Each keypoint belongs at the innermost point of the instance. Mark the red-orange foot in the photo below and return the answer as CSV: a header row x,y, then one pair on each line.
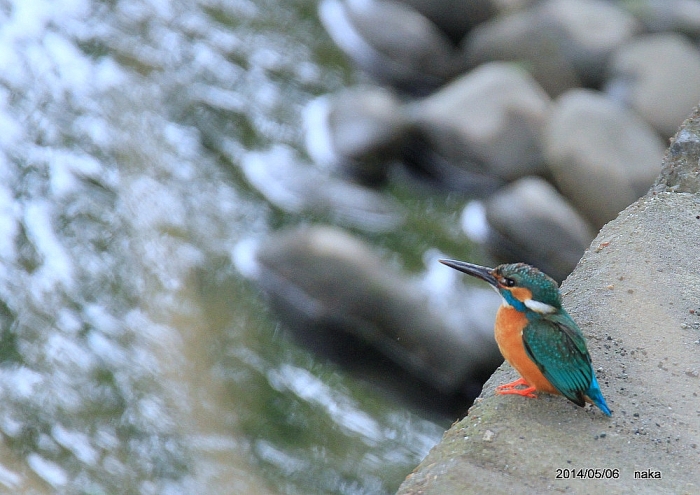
x,y
512,388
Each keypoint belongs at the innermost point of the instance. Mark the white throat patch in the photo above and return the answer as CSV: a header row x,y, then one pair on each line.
x,y
539,307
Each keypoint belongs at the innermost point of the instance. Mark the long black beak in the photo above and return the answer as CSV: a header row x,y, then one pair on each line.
x,y
482,272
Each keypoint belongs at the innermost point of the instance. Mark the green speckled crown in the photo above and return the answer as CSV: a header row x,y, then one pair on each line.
x,y
543,287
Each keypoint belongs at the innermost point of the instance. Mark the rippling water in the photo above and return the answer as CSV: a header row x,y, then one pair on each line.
x,y
134,359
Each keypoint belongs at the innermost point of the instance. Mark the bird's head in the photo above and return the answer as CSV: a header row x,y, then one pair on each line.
x,y
522,286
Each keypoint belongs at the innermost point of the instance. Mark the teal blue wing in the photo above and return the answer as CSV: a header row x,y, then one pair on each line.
x,y
558,348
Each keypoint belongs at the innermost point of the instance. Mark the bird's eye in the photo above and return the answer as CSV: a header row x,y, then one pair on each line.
x,y
508,282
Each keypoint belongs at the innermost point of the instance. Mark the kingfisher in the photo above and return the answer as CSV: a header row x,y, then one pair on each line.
x,y
537,336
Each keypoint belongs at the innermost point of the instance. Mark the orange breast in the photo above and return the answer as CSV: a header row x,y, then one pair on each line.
x,y
509,337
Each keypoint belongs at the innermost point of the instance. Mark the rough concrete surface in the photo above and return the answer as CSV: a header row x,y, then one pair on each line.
x,y
636,296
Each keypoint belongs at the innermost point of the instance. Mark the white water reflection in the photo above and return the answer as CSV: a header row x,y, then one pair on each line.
x,y
336,404
296,187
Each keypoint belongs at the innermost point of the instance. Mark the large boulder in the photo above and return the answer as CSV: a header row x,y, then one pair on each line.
x,y
489,120
392,42
357,131
341,298
527,211
640,75
563,43
602,155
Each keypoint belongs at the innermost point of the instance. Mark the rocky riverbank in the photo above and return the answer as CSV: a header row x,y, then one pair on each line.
x,y
636,295
579,93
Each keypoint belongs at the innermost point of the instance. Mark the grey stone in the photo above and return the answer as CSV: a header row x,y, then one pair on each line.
x,y
634,294
658,75
521,37
358,130
454,17
489,120
602,155
531,222
322,277
563,43
588,32
392,42
681,16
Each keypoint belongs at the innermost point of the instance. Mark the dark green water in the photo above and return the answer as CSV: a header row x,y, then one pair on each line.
x,y
134,358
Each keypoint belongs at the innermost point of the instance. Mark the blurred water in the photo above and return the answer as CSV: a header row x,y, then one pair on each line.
x,y
134,359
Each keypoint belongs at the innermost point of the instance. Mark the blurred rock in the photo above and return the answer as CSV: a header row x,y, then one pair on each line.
x,y
530,221
427,167
392,42
587,32
327,286
297,187
682,16
358,131
602,155
488,121
454,17
521,37
658,75
563,43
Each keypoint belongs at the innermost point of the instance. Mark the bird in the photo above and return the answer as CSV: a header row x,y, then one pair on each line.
x,y
537,336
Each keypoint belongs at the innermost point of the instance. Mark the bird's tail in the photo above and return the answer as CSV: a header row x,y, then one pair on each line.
x,y
596,396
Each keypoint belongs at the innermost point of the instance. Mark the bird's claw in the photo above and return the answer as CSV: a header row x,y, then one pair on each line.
x,y
512,389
